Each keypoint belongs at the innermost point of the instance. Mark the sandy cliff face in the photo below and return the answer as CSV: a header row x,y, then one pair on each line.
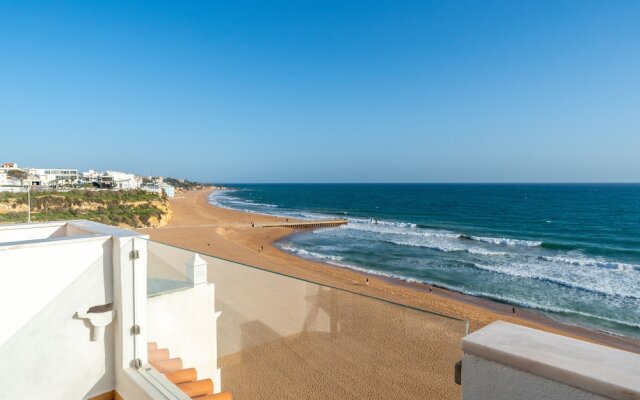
x,y
11,207
165,206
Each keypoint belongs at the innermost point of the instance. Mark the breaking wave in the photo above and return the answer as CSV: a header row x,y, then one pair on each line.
x,y
591,262
307,254
602,285
507,241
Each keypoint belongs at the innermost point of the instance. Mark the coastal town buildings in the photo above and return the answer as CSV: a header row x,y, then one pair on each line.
x,y
89,177
118,180
169,190
63,178
53,178
7,183
43,177
160,188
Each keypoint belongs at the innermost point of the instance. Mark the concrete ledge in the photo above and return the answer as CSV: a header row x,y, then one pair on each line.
x,y
593,368
60,240
96,227
23,225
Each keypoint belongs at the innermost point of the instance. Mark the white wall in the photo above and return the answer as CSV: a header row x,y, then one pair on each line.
x,y
45,351
20,232
184,322
487,380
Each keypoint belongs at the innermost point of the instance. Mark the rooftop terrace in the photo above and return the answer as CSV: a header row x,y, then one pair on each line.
x,y
91,311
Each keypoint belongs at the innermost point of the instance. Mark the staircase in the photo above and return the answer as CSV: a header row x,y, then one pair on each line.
x,y
186,379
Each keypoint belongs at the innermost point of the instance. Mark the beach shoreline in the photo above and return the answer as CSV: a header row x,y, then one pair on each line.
x,y
225,233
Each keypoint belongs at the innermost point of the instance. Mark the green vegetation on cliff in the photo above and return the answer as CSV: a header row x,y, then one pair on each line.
x,y
132,208
184,184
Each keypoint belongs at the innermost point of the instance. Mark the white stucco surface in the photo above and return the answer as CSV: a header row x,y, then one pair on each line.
x,y
45,351
22,232
487,380
600,370
184,322
50,271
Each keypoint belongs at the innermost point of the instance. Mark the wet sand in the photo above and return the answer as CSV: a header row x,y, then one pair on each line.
x,y
228,234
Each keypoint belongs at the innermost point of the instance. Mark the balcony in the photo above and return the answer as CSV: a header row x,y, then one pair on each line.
x,y
95,312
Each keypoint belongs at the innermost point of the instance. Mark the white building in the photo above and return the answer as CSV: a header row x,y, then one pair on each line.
x,y
118,180
5,180
151,189
169,190
7,183
89,177
53,178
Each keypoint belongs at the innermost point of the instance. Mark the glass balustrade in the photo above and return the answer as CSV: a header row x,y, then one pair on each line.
x,y
219,326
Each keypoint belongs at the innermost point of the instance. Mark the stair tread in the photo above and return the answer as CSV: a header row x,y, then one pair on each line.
x,y
217,396
170,365
158,354
182,375
197,388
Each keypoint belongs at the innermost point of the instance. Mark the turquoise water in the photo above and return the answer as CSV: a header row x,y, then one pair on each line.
x,y
569,251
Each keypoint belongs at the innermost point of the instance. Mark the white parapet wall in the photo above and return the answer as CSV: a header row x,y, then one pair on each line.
x,y
184,322
43,283
51,274
505,361
182,317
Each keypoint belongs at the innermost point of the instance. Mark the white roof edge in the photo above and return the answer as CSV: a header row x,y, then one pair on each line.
x,y
82,224
57,240
31,225
96,227
591,367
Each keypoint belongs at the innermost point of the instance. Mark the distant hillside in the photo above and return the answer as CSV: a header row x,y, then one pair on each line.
x,y
126,208
185,185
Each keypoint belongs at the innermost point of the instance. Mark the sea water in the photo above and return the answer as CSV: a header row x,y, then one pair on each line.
x,y
570,251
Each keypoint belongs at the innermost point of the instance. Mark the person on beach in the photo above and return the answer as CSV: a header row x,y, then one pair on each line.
x,y
513,310
367,283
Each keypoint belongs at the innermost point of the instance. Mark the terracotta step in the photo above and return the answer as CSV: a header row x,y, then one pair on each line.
x,y
197,388
152,346
219,396
182,376
170,365
157,355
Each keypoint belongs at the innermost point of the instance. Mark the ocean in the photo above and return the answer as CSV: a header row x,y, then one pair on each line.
x,y
569,251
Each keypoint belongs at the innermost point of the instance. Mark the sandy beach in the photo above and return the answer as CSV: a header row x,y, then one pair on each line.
x,y
229,234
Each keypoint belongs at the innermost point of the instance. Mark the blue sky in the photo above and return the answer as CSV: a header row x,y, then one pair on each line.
x,y
306,91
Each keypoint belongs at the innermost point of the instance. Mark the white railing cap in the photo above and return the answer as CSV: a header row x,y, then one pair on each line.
x,y
591,367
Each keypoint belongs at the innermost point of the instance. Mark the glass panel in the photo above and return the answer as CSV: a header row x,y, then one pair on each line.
x,y
167,268
259,335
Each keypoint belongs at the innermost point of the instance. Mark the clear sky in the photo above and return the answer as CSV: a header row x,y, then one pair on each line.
x,y
344,91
